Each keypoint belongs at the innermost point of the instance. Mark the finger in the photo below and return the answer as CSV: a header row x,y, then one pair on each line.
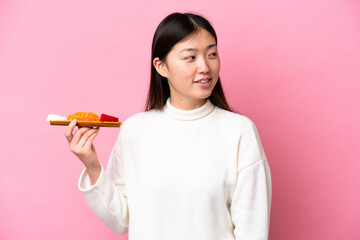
x,y
69,130
85,137
88,143
78,135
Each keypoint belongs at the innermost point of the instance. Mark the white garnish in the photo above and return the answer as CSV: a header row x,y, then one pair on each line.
x,y
52,117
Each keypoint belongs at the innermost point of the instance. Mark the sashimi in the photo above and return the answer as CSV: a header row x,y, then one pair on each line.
x,y
108,118
83,116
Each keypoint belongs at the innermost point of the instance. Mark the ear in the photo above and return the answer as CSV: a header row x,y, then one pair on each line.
x,y
160,67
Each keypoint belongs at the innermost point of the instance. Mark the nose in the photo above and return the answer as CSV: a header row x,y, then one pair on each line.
x,y
203,66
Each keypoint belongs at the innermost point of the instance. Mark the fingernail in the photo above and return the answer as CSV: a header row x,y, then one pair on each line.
x,y
73,122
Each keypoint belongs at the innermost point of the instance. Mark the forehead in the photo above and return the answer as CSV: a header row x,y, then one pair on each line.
x,y
200,39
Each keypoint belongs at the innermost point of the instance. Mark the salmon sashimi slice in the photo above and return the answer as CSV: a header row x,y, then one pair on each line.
x,y
83,116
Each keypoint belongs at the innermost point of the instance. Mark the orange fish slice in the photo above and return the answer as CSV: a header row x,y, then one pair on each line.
x,y
84,116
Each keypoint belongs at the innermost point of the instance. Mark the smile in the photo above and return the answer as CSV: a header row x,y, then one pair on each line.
x,y
204,83
205,80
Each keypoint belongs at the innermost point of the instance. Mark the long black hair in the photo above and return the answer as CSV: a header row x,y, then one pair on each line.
x,y
171,30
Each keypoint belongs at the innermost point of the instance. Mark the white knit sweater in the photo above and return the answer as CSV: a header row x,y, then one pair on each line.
x,y
174,174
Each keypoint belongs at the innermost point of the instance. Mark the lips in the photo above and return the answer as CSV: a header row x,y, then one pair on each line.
x,y
204,80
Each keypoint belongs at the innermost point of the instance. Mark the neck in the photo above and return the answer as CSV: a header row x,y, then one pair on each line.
x,y
186,104
188,115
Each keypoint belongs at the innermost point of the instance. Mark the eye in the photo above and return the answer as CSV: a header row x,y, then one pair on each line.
x,y
213,55
190,58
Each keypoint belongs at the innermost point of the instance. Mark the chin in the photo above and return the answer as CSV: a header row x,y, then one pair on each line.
x,y
204,95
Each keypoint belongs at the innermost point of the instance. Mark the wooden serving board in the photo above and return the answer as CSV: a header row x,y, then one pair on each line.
x,y
86,123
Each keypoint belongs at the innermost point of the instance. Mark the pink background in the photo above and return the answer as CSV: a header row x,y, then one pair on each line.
x,y
291,66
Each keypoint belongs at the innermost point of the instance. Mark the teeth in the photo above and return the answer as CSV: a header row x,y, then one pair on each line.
x,y
204,81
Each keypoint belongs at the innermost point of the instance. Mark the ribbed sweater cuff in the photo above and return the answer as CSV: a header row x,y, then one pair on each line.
x,y
84,183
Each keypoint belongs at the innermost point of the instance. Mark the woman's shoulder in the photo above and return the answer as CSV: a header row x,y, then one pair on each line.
x,y
234,118
137,123
245,127
141,118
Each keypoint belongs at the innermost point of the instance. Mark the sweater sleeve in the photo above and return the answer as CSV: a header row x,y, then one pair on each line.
x,y
251,200
107,198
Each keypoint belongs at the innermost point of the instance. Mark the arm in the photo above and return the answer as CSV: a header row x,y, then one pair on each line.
x,y
107,197
250,205
251,200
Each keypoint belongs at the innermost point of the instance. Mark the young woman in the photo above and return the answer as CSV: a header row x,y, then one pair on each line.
x,y
188,167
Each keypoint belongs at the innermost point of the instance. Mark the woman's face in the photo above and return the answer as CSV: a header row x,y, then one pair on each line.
x,y
192,68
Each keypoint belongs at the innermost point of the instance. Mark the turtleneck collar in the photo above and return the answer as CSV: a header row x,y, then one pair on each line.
x,y
188,115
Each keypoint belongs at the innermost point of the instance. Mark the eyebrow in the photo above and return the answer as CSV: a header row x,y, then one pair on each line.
x,y
195,49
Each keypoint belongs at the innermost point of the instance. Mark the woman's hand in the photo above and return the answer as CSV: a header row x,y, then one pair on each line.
x,y
81,144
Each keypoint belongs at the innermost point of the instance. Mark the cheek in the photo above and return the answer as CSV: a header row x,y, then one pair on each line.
x,y
216,66
183,71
